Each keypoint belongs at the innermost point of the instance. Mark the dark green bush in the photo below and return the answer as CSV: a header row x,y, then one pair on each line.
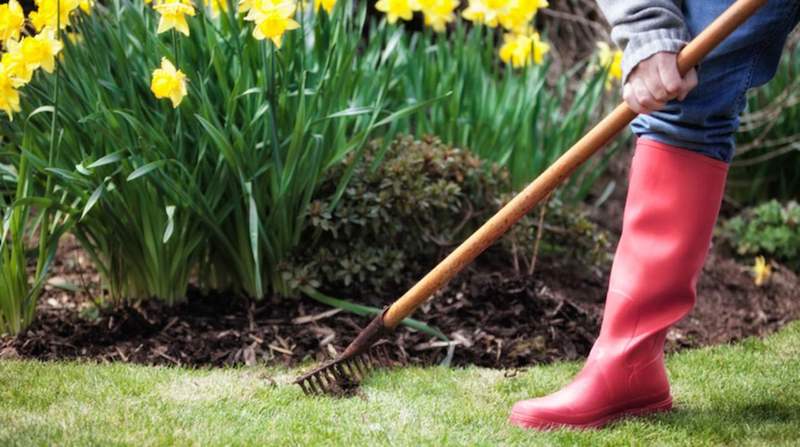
x,y
403,206
771,229
409,204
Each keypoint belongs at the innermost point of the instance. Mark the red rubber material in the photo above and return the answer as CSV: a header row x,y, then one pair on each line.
x,y
672,206
527,420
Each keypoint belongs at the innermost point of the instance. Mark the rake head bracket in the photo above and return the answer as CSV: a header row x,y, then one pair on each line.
x,y
365,353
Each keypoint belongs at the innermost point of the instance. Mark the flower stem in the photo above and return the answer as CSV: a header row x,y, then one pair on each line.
x,y
44,232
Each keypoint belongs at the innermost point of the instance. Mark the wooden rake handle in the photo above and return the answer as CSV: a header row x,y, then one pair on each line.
x,y
592,142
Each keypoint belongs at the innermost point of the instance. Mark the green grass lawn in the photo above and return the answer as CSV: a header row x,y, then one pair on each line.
x,y
747,394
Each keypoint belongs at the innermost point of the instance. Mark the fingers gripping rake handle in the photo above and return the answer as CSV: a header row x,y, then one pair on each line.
x,y
592,142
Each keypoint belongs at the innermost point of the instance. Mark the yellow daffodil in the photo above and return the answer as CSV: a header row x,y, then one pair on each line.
x,y
53,13
74,37
327,5
12,19
610,60
272,26
761,271
17,70
396,9
272,18
173,15
519,14
486,12
438,13
257,8
168,82
245,5
41,50
522,49
217,6
86,6
9,96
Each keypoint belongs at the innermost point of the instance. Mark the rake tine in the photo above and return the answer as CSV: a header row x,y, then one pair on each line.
x,y
354,371
353,365
322,380
326,381
342,373
367,361
331,375
319,385
362,367
308,384
304,387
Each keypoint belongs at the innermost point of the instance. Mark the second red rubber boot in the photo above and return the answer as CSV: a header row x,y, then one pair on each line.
x,y
672,205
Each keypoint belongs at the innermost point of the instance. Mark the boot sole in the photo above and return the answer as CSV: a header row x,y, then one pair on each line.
x,y
535,423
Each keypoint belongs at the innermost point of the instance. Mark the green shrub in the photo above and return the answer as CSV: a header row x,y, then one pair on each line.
x,y
769,229
568,233
409,204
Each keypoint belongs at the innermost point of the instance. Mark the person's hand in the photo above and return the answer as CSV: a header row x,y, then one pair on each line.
x,y
655,81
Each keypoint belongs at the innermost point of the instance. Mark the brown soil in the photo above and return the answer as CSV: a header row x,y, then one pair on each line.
x,y
493,319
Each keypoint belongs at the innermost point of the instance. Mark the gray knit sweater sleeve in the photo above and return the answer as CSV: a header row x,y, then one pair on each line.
x,y
643,28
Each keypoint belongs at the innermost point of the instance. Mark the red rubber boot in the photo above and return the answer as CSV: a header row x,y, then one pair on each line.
x,y
673,201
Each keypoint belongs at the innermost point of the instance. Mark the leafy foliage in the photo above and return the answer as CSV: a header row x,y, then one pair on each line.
x,y
520,119
407,203
217,186
770,229
410,203
220,185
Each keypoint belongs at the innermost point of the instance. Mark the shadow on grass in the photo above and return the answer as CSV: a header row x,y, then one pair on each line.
x,y
756,421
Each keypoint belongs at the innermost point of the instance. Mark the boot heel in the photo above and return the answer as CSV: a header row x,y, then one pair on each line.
x,y
658,407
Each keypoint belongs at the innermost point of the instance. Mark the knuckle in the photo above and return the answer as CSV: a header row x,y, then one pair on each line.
x,y
652,104
673,86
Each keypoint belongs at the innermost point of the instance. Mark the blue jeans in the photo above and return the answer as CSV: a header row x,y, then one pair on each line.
x,y
708,118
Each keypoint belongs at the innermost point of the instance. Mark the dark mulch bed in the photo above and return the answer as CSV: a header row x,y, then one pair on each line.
x,y
494,316
495,320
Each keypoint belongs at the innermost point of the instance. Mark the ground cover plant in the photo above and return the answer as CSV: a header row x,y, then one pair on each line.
x,y
771,229
746,394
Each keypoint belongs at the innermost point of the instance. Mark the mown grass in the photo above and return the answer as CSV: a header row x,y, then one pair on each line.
x,y
745,394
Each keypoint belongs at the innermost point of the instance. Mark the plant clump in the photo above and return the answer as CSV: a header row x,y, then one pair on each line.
x,y
409,204
771,229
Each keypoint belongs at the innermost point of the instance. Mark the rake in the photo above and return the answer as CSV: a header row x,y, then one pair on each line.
x,y
368,350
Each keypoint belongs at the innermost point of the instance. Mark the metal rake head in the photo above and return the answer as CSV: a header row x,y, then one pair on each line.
x,y
343,374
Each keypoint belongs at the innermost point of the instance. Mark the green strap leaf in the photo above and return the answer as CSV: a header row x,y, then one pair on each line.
x,y
98,192
253,224
359,309
146,169
170,223
107,160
